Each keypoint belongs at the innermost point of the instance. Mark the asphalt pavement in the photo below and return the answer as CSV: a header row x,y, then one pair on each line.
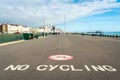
x,y
61,57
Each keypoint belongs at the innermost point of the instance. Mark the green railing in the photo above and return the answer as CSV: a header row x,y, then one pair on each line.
x,y
10,37
14,37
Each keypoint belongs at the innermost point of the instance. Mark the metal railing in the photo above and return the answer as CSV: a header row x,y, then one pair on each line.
x,y
10,37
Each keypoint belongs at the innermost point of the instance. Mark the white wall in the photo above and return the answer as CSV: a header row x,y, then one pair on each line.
x,y
12,28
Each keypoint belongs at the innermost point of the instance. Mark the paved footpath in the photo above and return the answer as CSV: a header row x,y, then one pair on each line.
x,y
62,57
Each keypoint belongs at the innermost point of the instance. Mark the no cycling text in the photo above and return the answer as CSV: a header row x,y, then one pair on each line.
x,y
65,67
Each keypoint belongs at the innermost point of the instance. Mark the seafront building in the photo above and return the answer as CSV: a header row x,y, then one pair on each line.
x,y
34,30
45,29
48,29
15,28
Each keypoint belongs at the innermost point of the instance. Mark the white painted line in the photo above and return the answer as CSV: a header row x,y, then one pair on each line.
x,y
13,42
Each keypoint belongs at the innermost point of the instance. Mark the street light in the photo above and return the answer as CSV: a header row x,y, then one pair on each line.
x,y
44,26
65,22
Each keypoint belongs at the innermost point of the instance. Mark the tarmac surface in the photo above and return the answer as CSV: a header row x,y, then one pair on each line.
x,y
93,58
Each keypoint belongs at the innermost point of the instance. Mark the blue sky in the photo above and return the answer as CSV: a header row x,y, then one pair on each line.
x,y
81,15
109,21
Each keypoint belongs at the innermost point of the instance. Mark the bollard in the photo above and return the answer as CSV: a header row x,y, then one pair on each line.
x,y
116,36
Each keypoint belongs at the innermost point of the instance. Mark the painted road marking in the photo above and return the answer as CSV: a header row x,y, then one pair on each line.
x,y
3,44
18,67
60,57
65,67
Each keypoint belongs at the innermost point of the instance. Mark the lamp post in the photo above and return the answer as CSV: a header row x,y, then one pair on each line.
x,y
44,26
65,22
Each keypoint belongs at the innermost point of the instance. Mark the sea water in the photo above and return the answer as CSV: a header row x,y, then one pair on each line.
x,y
111,33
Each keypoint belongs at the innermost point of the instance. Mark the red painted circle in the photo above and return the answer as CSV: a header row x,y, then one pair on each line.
x,y
60,57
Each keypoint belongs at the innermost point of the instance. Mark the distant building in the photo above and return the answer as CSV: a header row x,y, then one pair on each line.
x,y
26,29
34,30
3,28
49,29
13,28
45,29
8,28
58,30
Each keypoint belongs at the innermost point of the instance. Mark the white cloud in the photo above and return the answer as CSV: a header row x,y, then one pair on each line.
x,y
31,12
